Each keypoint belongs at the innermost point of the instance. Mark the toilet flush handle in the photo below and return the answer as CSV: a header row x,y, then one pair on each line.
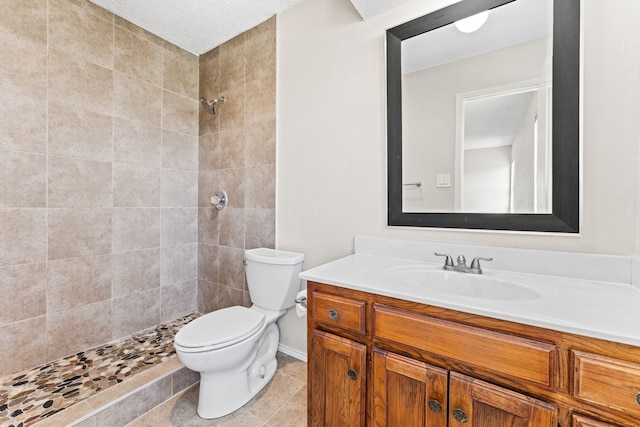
x,y
245,262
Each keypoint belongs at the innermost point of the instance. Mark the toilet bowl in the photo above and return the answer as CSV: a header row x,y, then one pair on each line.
x,y
234,348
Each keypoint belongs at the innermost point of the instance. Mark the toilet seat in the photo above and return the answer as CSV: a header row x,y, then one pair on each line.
x,y
220,328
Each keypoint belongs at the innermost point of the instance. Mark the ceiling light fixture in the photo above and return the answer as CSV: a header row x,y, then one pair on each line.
x,y
472,23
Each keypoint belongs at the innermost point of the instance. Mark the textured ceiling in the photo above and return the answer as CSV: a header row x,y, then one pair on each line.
x,y
201,25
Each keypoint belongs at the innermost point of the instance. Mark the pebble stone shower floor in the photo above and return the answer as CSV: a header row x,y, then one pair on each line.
x,y
30,396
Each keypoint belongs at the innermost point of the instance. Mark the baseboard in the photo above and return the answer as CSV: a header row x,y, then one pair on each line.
x,y
293,352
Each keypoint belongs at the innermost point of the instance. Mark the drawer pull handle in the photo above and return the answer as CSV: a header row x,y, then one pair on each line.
x,y
435,406
460,416
333,314
638,398
352,374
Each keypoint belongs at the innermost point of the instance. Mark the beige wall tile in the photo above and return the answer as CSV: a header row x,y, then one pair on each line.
x,y
179,226
22,345
261,187
78,232
179,188
135,229
208,264
260,100
22,236
78,281
177,300
187,56
232,148
208,226
209,152
135,271
233,181
137,100
208,185
80,133
137,57
260,228
260,143
179,151
80,33
80,84
23,123
135,312
82,327
232,63
261,51
210,73
231,228
79,183
24,290
228,296
137,143
180,114
123,23
231,267
22,179
207,296
179,264
233,110
136,186
180,75
27,18
93,8
23,88
23,64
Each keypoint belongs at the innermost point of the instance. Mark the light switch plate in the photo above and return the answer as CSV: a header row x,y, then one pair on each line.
x,y
443,180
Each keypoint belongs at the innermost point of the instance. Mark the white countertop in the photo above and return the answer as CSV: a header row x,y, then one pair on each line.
x,y
599,309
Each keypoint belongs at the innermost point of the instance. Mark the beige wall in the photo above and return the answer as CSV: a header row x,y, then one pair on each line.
x,y
237,154
332,142
98,170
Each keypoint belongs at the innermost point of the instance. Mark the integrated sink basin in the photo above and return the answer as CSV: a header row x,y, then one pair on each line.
x,y
418,279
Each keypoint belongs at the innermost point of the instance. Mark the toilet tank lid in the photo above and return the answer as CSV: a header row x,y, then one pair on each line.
x,y
273,256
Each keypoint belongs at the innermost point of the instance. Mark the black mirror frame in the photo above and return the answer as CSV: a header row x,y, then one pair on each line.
x,y
565,216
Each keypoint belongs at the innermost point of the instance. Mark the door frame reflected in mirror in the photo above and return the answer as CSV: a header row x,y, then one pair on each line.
x,y
565,215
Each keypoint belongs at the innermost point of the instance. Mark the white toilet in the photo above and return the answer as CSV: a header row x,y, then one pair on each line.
x,y
234,348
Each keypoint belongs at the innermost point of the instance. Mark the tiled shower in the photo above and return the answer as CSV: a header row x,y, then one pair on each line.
x,y
107,162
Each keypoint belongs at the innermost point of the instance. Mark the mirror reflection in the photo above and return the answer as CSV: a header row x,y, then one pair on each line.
x,y
476,114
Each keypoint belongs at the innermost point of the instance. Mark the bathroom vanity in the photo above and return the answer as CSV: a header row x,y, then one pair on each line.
x,y
386,351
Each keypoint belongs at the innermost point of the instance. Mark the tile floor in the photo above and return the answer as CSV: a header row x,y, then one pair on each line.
x,y
41,392
282,403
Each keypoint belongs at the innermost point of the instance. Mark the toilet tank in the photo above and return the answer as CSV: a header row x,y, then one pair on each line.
x,y
272,277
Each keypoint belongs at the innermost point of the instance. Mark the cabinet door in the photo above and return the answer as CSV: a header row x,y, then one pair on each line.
x,y
338,378
480,404
581,421
406,392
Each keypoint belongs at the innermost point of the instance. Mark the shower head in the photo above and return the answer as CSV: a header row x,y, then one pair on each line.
x,y
210,105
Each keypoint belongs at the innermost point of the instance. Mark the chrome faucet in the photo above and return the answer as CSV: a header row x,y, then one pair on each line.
x,y
461,265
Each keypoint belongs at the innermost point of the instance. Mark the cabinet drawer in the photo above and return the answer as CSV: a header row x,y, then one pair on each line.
x,y
607,382
496,352
346,313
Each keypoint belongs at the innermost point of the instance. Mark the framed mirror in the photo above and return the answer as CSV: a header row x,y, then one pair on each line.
x,y
484,126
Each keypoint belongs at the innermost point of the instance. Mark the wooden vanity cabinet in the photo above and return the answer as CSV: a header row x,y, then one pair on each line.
x,y
380,361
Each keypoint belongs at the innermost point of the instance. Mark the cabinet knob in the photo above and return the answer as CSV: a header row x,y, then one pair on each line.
x,y
638,398
460,416
352,374
333,314
435,406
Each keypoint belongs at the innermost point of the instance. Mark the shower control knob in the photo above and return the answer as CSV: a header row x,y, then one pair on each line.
x,y
219,200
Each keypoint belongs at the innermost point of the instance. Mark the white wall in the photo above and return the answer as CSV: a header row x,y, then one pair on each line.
x,y
331,148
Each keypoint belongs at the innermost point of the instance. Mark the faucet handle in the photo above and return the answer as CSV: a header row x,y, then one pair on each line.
x,y
448,262
475,264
